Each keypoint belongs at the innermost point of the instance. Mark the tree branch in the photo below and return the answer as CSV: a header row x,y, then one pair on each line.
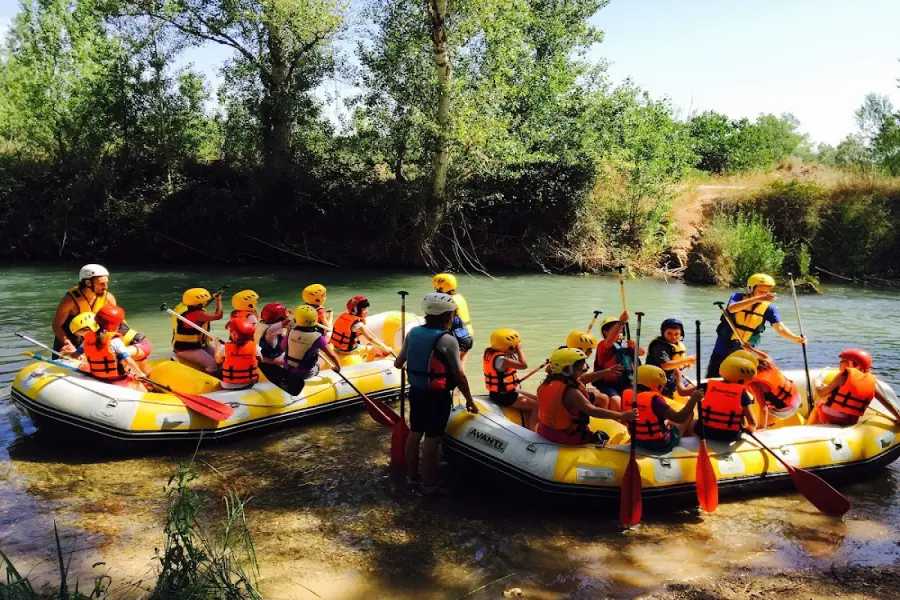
x,y
217,37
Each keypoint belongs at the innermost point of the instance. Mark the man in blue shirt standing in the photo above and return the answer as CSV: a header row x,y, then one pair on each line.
x,y
749,314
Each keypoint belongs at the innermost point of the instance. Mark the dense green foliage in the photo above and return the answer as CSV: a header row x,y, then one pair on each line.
x,y
735,247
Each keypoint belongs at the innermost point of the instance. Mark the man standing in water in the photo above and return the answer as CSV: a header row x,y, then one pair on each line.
x,y
91,293
431,355
749,314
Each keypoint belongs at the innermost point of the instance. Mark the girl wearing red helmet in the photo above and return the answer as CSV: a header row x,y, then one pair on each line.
x,y
850,392
105,353
239,357
350,329
275,322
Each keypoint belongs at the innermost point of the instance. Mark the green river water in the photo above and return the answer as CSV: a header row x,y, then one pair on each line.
x,y
325,516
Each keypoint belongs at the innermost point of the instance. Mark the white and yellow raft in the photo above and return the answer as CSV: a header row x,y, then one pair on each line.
x,y
57,398
495,442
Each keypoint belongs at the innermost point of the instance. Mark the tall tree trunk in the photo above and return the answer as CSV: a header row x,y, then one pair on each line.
x,y
276,113
437,202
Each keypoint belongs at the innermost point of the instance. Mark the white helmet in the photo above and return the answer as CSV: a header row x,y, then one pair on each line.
x,y
90,271
438,304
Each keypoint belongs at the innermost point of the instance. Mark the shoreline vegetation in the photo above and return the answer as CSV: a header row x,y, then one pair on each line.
x,y
474,136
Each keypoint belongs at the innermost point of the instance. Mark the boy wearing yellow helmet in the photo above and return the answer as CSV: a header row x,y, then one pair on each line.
x,y
303,344
564,410
725,411
462,330
500,362
315,295
749,314
658,427
614,357
192,347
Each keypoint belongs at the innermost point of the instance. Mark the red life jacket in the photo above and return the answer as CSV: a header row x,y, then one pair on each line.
x,y
343,338
498,381
101,361
552,411
779,392
853,397
239,367
722,408
648,426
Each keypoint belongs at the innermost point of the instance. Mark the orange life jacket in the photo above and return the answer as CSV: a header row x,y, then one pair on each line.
x,y
722,407
239,366
648,426
101,361
343,338
779,392
854,395
501,382
552,412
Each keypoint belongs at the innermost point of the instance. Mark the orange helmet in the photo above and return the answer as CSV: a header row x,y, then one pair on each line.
x,y
862,358
110,317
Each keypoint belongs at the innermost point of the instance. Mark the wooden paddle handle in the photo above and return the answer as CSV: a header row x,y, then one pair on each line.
x,y
534,370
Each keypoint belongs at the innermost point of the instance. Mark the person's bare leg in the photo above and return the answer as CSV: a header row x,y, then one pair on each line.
x,y
412,454
430,461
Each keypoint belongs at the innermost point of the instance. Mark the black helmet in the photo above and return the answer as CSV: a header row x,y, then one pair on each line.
x,y
671,324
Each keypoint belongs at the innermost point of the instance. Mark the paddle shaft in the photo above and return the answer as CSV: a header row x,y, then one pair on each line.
x,y
390,417
534,370
597,313
403,295
634,381
700,400
809,393
191,324
772,452
37,343
621,269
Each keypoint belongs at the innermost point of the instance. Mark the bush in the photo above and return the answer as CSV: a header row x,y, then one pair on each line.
x,y
732,248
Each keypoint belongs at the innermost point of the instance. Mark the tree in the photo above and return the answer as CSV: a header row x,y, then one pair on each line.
x,y
852,151
875,111
283,50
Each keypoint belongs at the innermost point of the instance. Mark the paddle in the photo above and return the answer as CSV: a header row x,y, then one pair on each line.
x,y
200,404
815,489
597,313
621,269
809,392
744,344
534,370
631,500
378,410
400,432
190,324
707,485
37,343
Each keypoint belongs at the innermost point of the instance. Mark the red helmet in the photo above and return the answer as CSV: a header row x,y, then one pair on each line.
x,y
356,304
110,317
862,358
273,312
241,329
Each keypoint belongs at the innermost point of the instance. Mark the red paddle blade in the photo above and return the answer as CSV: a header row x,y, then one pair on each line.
x,y
205,406
707,486
398,444
820,493
631,503
380,412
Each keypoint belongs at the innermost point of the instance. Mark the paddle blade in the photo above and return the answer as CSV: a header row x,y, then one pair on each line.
x,y
707,485
399,436
205,406
380,412
631,502
824,497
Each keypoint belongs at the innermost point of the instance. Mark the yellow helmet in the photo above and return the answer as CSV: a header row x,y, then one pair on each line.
x,y
651,376
505,340
245,300
82,320
443,282
562,360
737,370
581,340
305,316
196,297
314,294
747,355
760,279
607,322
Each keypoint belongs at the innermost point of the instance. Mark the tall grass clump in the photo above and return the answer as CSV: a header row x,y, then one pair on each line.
x,y
734,247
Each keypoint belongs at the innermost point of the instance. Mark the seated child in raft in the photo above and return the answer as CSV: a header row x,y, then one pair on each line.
x,y
587,343
850,392
274,322
613,350
500,362
350,329
239,357
658,426
775,395
726,408
245,303
668,353
103,352
302,347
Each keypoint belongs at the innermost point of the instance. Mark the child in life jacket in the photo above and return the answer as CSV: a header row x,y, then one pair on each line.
x,y
668,353
564,411
587,343
850,391
303,345
776,396
350,329
658,426
614,350
245,303
315,295
274,322
238,357
103,351
725,410
500,362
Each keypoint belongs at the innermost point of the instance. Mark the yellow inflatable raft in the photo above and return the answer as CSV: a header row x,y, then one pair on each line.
x,y
496,443
54,397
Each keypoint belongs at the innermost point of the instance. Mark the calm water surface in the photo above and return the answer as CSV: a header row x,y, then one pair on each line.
x,y
327,520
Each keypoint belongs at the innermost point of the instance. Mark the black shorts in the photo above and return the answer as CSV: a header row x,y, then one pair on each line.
x,y
429,411
504,398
